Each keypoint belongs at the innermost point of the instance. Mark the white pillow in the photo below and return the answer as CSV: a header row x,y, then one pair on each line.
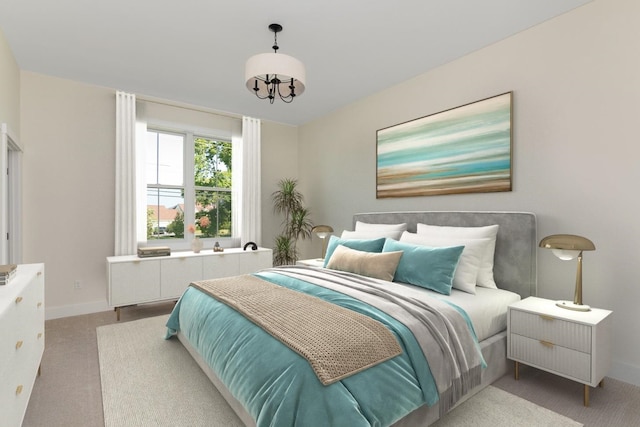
x,y
365,226
371,234
466,274
485,275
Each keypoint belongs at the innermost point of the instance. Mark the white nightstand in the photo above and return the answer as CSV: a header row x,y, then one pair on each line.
x,y
572,344
315,262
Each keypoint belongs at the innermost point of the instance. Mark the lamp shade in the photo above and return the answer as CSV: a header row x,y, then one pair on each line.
x,y
284,66
567,246
322,231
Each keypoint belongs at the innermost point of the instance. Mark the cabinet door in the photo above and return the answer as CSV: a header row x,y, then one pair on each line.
x,y
252,261
134,282
176,274
224,264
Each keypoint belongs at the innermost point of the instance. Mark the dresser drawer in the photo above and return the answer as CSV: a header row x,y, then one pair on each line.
x,y
560,332
21,340
15,390
21,316
555,358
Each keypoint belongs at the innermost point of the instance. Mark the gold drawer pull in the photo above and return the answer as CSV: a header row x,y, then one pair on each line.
x,y
18,390
545,317
18,300
39,304
39,335
19,344
39,273
547,344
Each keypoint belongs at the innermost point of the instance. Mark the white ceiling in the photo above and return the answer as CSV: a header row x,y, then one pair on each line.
x,y
194,51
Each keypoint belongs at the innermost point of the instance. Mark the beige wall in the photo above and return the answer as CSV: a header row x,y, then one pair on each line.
x,y
576,84
9,88
279,154
68,193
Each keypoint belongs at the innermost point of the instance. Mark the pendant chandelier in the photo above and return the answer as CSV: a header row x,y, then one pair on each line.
x,y
274,75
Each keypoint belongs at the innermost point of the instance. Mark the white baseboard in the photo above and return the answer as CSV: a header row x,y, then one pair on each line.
x,y
75,309
625,372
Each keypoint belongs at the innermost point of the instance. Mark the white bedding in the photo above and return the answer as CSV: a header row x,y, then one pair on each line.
x,y
487,309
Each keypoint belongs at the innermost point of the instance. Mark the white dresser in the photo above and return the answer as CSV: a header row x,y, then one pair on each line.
x,y
21,340
134,280
572,344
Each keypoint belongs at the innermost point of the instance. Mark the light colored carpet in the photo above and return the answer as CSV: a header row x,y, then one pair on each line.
x,y
493,407
149,381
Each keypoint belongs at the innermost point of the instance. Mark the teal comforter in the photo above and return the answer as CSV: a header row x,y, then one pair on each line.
x,y
278,387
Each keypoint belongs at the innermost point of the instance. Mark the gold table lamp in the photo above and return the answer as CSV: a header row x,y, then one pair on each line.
x,y
322,231
568,247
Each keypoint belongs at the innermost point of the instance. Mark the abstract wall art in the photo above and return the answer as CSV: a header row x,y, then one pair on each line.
x,y
466,149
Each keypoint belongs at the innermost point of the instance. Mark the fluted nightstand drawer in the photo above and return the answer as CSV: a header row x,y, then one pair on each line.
x,y
560,332
554,358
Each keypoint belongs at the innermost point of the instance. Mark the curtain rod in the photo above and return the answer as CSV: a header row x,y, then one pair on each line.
x,y
186,106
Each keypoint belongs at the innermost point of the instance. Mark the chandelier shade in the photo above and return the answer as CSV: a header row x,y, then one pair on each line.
x,y
275,75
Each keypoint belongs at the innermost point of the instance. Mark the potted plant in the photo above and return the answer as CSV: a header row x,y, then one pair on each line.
x,y
287,200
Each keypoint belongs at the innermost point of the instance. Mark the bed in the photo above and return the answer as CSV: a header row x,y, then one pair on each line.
x,y
281,381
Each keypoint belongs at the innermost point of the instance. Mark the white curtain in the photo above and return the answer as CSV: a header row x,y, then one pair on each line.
x,y
126,187
247,155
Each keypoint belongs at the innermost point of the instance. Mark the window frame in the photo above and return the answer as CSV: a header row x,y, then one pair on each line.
x,y
190,186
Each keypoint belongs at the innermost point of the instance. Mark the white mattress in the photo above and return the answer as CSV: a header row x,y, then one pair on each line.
x,y
487,309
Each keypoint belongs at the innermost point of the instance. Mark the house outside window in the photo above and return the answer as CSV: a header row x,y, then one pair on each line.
x,y
188,180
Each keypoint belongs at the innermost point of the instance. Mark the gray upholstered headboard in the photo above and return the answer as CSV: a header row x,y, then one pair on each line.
x,y
515,257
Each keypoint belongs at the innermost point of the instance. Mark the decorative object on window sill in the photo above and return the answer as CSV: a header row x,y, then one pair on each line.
x,y
323,231
217,248
154,251
265,73
568,247
196,245
253,246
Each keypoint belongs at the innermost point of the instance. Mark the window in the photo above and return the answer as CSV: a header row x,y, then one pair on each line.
x,y
188,180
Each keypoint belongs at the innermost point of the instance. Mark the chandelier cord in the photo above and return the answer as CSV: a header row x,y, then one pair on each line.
x,y
275,42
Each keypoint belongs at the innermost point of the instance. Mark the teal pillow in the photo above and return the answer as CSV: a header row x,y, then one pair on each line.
x,y
431,268
365,245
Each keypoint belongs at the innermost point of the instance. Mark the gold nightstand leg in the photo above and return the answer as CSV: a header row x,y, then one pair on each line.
x,y
516,371
586,395
601,383
117,309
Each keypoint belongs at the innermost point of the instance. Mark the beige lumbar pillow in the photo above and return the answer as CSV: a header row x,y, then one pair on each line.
x,y
377,265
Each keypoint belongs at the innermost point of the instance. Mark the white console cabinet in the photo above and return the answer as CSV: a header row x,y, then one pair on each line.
x,y
21,340
134,280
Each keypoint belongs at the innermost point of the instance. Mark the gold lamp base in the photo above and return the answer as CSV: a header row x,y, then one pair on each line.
x,y
573,306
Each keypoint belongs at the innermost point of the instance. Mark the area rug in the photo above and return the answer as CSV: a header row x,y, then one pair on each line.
x,y
149,381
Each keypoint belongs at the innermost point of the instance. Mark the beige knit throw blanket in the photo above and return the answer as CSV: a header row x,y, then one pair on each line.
x,y
336,341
